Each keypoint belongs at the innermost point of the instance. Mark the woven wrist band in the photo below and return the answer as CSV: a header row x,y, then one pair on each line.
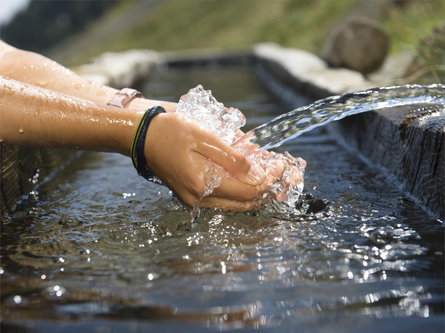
x,y
137,148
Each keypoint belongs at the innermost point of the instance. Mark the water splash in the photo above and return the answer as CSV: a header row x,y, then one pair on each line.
x,y
200,105
294,123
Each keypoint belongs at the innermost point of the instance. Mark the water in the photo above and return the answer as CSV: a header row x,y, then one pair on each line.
x,y
200,105
303,119
100,249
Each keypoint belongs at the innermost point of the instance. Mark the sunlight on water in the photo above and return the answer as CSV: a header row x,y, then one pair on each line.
x,y
301,120
101,247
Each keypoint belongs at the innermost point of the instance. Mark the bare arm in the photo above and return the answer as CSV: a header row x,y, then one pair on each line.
x,y
40,71
34,116
180,155
43,103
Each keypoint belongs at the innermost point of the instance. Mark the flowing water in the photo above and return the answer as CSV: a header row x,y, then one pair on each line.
x,y
100,249
303,119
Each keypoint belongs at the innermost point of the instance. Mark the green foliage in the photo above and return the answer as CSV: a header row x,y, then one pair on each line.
x,y
407,25
221,24
179,24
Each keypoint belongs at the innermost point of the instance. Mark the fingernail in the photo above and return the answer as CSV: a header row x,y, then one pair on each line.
x,y
256,174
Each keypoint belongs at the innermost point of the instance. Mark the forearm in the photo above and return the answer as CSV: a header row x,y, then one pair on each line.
x,y
40,71
35,116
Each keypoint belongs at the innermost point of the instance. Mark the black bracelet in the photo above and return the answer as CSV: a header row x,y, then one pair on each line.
x,y
137,148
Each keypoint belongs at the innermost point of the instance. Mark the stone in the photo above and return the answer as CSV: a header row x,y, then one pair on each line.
x,y
304,73
393,69
120,70
359,44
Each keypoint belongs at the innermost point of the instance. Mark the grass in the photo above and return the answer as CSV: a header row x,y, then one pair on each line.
x,y
239,24
411,23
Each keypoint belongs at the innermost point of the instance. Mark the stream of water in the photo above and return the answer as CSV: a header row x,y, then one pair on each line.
x,y
303,119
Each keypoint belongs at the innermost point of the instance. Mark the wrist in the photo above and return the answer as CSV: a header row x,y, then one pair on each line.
x,y
140,103
140,141
123,125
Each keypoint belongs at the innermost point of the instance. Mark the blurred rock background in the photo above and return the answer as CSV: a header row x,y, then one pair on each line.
x,y
400,41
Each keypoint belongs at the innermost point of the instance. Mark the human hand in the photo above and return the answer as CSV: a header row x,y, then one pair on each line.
x,y
182,154
283,171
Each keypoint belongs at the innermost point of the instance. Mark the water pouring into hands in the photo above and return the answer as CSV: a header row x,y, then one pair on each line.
x,y
45,104
283,174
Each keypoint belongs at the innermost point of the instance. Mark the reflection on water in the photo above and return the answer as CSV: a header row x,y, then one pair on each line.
x,y
101,247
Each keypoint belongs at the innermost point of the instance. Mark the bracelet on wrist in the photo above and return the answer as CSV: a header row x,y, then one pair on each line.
x,y
137,147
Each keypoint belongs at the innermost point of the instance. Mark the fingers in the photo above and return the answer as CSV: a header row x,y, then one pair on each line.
x,y
231,160
201,168
232,189
224,185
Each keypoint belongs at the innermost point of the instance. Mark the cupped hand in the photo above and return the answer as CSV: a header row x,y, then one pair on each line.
x,y
283,171
200,168
183,154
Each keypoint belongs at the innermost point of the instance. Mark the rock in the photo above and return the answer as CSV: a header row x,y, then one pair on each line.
x,y
122,69
305,73
360,44
393,69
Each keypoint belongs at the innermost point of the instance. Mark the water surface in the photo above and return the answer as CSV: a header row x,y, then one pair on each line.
x,y
99,248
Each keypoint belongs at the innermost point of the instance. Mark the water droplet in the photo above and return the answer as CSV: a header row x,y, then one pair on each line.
x,y
56,291
17,299
21,130
223,267
41,83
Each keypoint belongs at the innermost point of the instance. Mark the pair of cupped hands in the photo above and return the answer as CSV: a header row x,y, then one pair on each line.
x,y
183,154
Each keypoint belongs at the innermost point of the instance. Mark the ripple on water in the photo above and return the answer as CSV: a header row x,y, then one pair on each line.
x,y
100,243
